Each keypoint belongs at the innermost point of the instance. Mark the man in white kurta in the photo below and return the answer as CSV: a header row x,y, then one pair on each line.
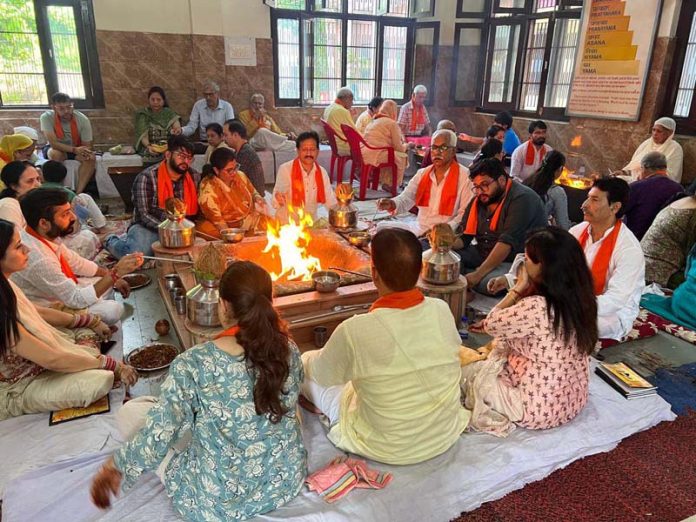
x,y
44,280
618,303
528,157
443,151
307,152
388,380
661,140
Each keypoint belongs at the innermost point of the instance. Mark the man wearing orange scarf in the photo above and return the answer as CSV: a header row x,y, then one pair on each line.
x,y
413,116
527,158
499,218
441,191
262,130
173,177
56,275
302,182
69,135
614,256
388,380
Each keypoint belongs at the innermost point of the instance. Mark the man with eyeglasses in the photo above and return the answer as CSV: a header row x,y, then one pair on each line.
x,y
172,177
262,130
498,218
302,182
69,135
211,109
441,191
413,116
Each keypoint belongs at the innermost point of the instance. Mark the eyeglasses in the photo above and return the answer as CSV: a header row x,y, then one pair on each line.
x,y
440,148
184,155
482,186
231,170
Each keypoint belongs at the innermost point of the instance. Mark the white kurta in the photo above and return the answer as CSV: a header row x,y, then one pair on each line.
x,y
283,185
430,216
618,305
670,148
402,405
518,169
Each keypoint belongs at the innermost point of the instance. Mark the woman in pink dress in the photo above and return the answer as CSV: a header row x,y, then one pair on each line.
x,y
536,374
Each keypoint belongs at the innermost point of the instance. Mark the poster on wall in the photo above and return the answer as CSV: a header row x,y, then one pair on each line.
x,y
613,58
240,50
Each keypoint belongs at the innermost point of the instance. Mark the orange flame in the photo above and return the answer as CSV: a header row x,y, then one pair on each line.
x,y
569,179
576,142
290,243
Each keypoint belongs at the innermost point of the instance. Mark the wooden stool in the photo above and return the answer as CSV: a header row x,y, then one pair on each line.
x,y
453,294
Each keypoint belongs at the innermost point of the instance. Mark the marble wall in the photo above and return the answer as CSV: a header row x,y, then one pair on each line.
x,y
131,62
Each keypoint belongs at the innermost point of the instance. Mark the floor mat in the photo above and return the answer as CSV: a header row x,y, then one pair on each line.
x,y
677,386
650,476
478,468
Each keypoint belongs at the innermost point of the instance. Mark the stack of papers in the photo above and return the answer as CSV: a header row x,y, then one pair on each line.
x,y
625,380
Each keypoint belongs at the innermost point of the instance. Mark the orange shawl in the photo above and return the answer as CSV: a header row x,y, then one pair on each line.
x,y
418,116
400,300
64,266
298,188
531,150
230,332
449,192
74,131
600,265
472,220
165,190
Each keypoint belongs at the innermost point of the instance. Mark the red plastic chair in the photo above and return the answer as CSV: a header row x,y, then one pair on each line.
x,y
356,142
335,156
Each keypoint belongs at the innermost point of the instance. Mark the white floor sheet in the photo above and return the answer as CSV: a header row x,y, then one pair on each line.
x,y
478,469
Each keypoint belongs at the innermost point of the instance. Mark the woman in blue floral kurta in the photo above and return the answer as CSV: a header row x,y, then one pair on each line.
x,y
239,463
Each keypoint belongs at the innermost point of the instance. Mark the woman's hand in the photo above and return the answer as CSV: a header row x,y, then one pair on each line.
x,y
127,374
477,327
281,198
176,128
106,482
523,282
102,330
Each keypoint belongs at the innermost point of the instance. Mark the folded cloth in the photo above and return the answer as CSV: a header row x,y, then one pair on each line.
x,y
343,474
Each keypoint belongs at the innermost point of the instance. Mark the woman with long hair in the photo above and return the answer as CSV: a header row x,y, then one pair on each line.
x,y
544,330
41,368
543,182
154,125
227,197
223,436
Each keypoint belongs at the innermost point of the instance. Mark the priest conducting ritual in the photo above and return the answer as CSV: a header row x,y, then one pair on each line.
x,y
262,321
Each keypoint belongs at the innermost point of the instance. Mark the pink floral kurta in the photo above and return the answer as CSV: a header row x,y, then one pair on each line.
x,y
551,376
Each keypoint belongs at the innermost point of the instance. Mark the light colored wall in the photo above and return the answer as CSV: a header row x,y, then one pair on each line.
x,y
209,17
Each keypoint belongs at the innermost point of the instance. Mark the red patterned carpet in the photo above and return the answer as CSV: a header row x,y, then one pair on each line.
x,y
649,476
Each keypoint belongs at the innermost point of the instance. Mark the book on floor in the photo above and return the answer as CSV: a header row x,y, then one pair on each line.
x,y
99,406
625,380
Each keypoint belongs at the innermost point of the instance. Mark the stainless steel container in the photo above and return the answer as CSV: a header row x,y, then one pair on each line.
x,y
202,303
176,232
344,215
440,266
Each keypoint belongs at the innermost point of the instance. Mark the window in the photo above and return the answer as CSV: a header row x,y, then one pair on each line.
x,y
48,46
530,56
321,45
680,101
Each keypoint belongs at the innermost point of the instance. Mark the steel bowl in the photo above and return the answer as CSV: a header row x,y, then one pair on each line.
x,y
360,238
326,281
232,235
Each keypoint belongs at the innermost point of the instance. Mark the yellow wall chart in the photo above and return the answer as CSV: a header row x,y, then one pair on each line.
x,y
613,57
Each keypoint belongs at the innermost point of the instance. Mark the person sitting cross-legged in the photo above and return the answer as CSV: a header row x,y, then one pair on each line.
x,y
41,368
388,380
262,130
544,329
51,276
528,157
172,177
441,191
224,434
499,217
302,183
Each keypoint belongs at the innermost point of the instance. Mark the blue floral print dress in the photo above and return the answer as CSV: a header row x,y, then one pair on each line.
x,y
238,464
